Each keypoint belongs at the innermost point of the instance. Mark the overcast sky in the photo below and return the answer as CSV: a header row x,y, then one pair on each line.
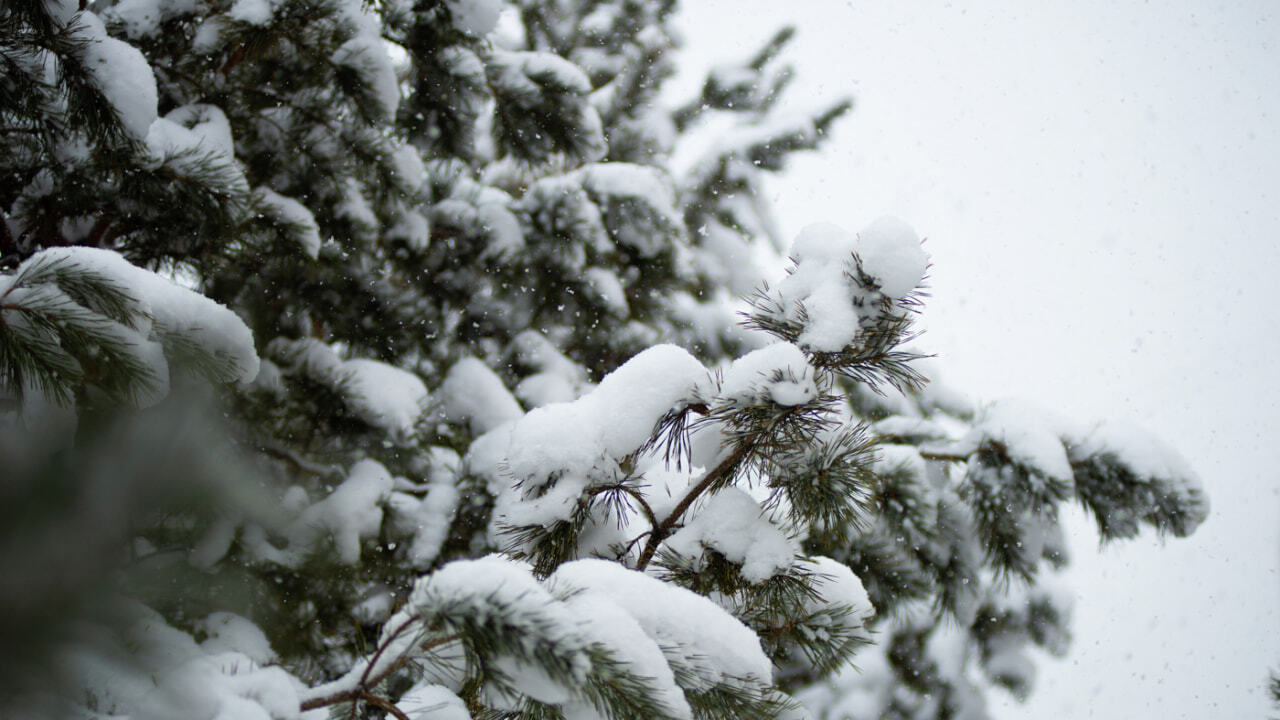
x,y
1098,183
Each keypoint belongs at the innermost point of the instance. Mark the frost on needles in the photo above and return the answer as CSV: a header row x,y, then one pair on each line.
x,y
375,360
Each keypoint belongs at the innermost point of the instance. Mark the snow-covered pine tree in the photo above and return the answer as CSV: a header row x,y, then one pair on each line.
x,y
372,358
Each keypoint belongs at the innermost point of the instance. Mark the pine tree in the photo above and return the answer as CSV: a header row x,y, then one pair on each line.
x,y
372,358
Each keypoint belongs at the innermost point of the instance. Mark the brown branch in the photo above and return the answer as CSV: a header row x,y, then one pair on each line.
x,y
942,456
234,60
644,504
663,530
98,234
361,690
384,704
377,655
300,462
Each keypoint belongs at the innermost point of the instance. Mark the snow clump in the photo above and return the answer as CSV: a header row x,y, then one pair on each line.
x,y
823,293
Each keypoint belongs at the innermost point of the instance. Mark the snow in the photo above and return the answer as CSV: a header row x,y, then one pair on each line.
x,y
141,18
838,585
889,251
207,122
495,591
355,208
367,56
429,519
501,227
608,289
300,223
208,35
486,585
611,422
1031,436
777,373
558,379
729,259
827,259
121,73
475,17
169,675
516,68
638,184
484,210
351,513
474,394
900,458
696,634
534,74
229,632
385,395
214,543
527,679
254,12
823,255
513,509
909,427
1144,454
433,702
1147,458
732,523
132,340
603,621
413,229
174,310
408,167
382,395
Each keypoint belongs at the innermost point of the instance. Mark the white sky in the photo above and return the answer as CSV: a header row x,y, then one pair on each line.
x,y
1098,182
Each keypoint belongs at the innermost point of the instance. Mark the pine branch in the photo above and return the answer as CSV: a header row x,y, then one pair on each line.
x,y
718,476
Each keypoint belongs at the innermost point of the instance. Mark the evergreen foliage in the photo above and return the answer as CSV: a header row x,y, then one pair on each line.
x,y
371,359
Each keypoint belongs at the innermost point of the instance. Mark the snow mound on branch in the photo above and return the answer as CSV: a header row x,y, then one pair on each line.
x,y
612,421
779,373
173,310
121,73
892,458
433,702
1149,459
170,676
254,12
382,395
558,379
1031,436
733,524
889,251
294,216
207,123
474,394
142,18
540,465
838,585
602,620
428,519
1144,454
385,395
229,632
475,17
641,184
822,292
482,584
693,632
349,514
